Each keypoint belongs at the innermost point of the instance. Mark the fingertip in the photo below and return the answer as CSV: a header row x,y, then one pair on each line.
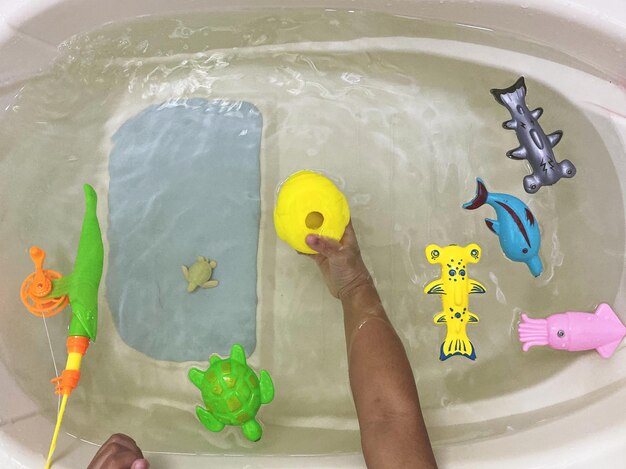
x,y
323,245
312,240
140,464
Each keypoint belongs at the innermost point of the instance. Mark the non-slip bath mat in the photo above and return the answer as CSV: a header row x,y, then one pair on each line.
x,y
184,182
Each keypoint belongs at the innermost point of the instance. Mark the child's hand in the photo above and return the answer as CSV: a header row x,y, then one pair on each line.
x,y
119,452
340,262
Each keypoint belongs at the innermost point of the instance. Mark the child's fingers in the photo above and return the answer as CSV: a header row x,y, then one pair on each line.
x,y
115,456
349,236
325,246
118,452
119,442
125,441
140,464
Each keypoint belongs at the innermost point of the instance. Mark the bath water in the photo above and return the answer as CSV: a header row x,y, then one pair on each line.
x,y
403,133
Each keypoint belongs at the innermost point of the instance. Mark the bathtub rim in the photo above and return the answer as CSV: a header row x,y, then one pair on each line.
x,y
16,20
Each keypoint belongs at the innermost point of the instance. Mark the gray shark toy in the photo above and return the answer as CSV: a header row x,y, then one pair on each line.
x,y
535,145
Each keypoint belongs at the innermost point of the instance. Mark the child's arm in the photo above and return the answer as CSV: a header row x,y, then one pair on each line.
x,y
393,433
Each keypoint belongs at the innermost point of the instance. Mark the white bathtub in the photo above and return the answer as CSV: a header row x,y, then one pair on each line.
x,y
575,418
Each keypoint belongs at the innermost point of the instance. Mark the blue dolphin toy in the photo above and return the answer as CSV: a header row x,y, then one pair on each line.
x,y
516,226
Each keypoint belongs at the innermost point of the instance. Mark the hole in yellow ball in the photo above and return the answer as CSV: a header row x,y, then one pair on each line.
x,y
314,220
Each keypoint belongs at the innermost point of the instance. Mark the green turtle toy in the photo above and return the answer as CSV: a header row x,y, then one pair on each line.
x,y
199,274
232,393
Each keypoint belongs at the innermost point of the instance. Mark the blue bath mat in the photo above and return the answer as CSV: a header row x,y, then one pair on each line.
x,y
184,182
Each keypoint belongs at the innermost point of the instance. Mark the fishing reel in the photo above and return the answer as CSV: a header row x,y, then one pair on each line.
x,y
37,287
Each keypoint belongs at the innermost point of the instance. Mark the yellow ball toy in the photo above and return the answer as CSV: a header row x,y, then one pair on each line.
x,y
309,203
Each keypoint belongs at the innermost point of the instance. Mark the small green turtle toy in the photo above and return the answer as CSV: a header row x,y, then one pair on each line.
x,y
199,274
232,393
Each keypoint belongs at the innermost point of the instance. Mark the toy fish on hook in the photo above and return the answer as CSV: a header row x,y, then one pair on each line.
x,y
535,146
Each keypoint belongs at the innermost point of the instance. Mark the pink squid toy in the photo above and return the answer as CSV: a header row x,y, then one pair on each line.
x,y
574,331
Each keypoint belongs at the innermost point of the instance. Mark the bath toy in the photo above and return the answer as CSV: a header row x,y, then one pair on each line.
x,y
574,331
45,293
535,146
309,203
232,393
516,226
199,274
454,286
